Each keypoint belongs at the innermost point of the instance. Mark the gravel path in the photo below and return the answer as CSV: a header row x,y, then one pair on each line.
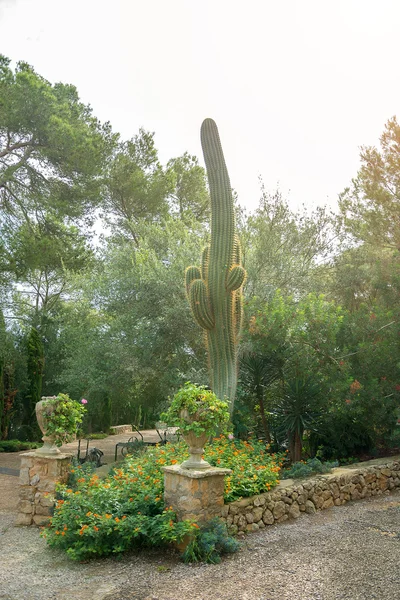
x,y
344,553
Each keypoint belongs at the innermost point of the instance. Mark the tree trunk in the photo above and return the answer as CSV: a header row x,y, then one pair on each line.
x,y
298,446
264,419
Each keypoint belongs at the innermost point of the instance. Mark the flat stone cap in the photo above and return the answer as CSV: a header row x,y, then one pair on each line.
x,y
196,474
59,456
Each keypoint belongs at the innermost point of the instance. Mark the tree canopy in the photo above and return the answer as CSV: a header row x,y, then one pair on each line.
x,y
95,235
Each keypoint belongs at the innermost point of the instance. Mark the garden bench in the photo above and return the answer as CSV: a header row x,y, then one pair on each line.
x,y
137,443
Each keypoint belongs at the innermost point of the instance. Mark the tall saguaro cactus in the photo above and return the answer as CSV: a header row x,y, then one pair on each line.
x,y
214,290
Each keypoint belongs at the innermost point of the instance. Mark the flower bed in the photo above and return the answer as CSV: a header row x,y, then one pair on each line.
x,y
126,510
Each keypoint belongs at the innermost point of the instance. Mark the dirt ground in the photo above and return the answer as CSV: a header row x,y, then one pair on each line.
x,y
350,552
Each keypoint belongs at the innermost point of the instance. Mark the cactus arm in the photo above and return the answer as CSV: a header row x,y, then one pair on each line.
x,y
204,262
200,305
237,255
191,274
238,313
236,277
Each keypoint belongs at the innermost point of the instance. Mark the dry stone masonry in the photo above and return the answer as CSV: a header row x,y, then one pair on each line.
x,y
38,477
194,494
118,429
288,502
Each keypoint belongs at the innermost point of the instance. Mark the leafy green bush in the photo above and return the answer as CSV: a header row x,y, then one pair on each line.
x,y
126,510
61,417
194,408
115,514
310,467
17,446
254,470
78,470
209,542
341,435
98,436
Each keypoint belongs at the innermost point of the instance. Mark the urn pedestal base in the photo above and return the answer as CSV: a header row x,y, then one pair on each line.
x,y
195,494
39,474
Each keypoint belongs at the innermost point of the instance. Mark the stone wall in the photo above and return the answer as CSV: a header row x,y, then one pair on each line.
x,y
289,501
39,475
118,429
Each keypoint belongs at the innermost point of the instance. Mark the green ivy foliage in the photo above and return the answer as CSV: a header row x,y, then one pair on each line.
x,y
62,417
205,413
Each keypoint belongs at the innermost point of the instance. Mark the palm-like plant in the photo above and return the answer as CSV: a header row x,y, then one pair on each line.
x,y
258,373
297,411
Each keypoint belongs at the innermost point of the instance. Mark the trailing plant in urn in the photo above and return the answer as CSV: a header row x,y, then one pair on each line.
x,y
58,418
214,290
199,414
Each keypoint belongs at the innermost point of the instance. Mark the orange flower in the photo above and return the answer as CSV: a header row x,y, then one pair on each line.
x,y
116,519
356,385
89,514
195,525
63,533
108,516
95,528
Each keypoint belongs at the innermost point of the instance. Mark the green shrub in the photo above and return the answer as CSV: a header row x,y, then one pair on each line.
x,y
115,514
209,542
17,446
78,470
254,470
61,417
310,467
126,510
97,436
196,409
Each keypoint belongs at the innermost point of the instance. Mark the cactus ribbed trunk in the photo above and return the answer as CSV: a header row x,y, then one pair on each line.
x,y
214,291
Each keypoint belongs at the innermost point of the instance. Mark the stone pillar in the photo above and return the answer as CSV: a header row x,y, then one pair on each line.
x,y
39,475
195,494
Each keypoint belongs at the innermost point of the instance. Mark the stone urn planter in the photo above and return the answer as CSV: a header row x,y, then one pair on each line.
x,y
198,413
58,418
49,441
196,444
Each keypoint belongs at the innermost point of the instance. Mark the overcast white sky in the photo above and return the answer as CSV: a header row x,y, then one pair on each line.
x,y
296,87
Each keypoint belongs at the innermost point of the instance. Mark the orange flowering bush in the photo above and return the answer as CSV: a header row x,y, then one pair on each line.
x,y
98,517
254,469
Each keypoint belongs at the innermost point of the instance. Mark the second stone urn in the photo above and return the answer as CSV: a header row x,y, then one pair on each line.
x,y
41,408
